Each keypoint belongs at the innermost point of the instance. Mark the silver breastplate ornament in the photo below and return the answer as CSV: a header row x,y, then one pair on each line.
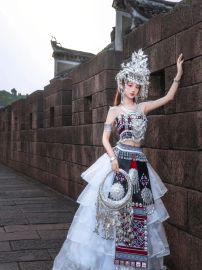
x,y
135,122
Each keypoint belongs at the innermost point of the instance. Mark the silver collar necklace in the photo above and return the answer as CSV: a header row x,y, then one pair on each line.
x,y
129,111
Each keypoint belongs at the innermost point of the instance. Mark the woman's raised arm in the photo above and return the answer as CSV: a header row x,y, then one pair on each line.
x,y
151,105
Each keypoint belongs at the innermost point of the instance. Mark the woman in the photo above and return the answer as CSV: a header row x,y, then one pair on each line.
x,y
132,237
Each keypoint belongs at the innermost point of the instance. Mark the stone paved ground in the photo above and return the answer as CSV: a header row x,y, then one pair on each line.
x,y
34,221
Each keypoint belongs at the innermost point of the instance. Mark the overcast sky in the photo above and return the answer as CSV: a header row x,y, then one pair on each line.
x,y
26,27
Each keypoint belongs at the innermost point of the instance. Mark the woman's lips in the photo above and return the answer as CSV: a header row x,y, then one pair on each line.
x,y
132,94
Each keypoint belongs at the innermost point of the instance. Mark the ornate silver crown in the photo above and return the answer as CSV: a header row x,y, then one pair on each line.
x,y
135,71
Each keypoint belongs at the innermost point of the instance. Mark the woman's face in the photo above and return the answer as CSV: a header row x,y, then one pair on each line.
x,y
132,89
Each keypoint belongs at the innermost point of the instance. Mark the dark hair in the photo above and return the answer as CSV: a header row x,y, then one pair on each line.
x,y
117,99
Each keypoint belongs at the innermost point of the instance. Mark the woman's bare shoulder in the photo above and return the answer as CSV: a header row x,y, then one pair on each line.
x,y
115,109
142,106
113,112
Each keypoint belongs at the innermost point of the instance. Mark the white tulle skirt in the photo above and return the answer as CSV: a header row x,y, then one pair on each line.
x,y
85,250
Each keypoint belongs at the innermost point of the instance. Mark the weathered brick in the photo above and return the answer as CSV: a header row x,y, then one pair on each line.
x,y
71,190
69,152
8,219
9,266
162,54
194,212
24,255
88,155
25,193
189,99
4,246
88,131
43,218
75,173
104,60
172,234
63,121
56,234
157,135
62,98
99,114
103,98
196,11
37,106
195,71
36,227
39,265
75,119
40,149
18,236
67,84
176,167
85,117
175,201
178,19
62,110
65,135
192,38
185,132
105,80
190,255
136,40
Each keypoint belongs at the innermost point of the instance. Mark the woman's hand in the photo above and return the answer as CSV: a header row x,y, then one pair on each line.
x,y
179,64
115,165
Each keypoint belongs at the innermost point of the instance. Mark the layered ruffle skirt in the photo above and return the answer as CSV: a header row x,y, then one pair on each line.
x,y
83,249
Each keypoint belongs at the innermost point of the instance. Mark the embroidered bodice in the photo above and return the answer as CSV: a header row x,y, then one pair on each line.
x,y
131,125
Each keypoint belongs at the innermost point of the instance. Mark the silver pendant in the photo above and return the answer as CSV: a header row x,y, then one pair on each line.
x,y
133,173
146,196
117,192
122,97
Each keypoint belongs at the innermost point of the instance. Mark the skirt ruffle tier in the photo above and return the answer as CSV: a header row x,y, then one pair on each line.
x,y
85,250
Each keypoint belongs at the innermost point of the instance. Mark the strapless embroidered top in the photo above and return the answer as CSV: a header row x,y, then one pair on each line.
x,y
131,125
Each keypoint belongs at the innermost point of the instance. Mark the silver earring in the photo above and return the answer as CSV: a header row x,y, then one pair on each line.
x,y
136,98
126,86
122,96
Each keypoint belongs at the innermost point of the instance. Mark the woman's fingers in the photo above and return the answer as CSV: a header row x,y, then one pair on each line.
x,y
179,58
115,167
115,170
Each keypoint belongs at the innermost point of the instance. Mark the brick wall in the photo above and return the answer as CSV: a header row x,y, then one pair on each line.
x,y
55,134
174,136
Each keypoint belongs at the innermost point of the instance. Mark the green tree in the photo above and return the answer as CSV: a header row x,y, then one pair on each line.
x,y
14,91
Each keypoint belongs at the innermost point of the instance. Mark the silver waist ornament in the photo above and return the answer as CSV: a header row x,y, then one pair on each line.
x,y
108,212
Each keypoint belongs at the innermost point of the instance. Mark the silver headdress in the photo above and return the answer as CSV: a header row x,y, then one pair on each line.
x,y
135,71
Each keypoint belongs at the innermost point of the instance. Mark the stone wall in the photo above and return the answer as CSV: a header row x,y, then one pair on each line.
x,y
174,135
55,134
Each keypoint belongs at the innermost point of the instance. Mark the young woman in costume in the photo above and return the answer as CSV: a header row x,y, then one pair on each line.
x,y
118,225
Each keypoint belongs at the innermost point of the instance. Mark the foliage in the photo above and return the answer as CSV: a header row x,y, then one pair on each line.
x,y
7,98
